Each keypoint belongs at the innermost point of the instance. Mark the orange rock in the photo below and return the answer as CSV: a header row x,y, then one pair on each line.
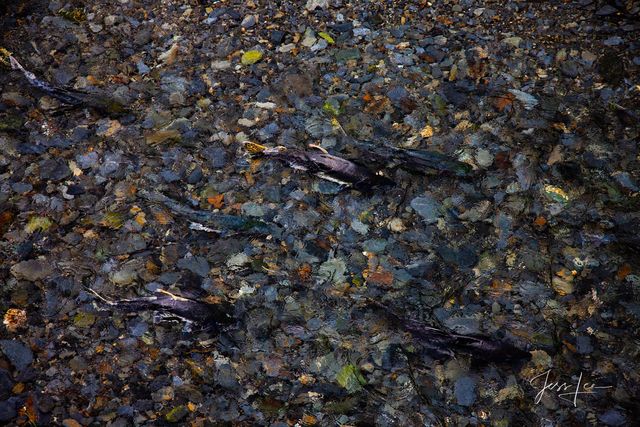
x,y
380,277
623,272
216,201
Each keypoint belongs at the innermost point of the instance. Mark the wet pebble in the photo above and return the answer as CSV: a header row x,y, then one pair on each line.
x,y
6,384
54,169
32,270
465,391
195,264
249,21
8,410
427,207
18,353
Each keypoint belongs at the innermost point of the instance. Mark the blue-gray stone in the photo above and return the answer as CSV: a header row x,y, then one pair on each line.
x,y
170,84
570,69
21,187
248,21
133,243
217,156
463,325
269,131
314,324
138,329
427,207
18,354
81,133
464,257
277,36
226,377
625,180
252,209
347,54
195,264
397,94
613,417
169,278
142,67
606,10
195,176
7,410
169,176
327,187
126,411
374,245
421,268
86,161
465,391
110,164
6,384
613,41
272,194
62,76
583,344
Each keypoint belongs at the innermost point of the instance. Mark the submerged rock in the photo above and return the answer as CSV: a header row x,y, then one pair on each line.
x,y
17,353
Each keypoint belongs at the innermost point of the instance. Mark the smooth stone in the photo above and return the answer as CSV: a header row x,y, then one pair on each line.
x,y
248,21
32,270
465,391
513,41
54,169
18,353
427,207
7,410
196,264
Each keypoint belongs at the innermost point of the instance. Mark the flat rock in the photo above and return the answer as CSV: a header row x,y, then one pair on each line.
x,y
7,411
54,169
314,4
195,264
32,270
18,353
427,207
513,41
465,391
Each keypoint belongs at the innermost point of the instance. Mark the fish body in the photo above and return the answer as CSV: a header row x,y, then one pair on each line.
x,y
204,314
221,222
67,96
416,159
412,160
60,94
441,344
322,164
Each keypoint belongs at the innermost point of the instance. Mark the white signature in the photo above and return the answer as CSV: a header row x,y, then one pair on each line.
x,y
565,391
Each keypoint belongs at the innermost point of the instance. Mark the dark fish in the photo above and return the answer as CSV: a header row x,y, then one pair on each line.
x,y
419,161
63,95
204,314
322,164
222,223
68,96
441,344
